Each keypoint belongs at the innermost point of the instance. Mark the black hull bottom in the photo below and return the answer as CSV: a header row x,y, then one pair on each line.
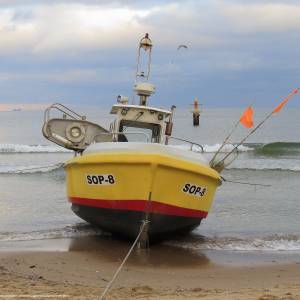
x,y
128,223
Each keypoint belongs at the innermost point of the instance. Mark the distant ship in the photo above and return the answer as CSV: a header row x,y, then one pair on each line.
x,y
17,109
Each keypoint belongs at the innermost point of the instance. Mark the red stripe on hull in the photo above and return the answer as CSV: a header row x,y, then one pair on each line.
x,y
140,205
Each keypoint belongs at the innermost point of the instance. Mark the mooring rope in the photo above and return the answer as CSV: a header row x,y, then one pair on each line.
x,y
102,297
247,183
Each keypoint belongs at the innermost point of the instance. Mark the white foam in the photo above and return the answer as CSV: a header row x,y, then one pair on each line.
x,y
66,232
19,148
257,245
29,169
227,148
271,243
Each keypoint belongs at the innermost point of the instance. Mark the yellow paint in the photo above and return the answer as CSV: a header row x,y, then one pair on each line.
x,y
138,174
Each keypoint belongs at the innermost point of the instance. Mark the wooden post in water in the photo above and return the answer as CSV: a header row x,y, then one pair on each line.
x,y
196,112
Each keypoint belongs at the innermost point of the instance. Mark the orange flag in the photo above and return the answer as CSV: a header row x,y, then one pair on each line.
x,y
279,107
247,117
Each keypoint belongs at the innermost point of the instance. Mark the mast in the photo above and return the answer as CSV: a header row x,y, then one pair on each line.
x,y
142,87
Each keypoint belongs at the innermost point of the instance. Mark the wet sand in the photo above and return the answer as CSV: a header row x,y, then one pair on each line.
x,y
81,268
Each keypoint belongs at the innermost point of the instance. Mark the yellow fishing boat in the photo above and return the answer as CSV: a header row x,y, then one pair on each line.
x,y
132,172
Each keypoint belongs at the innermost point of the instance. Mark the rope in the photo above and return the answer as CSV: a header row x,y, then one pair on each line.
x,y
247,183
102,297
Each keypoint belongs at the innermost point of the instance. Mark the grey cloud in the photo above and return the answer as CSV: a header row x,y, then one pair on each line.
x,y
112,3
22,15
224,64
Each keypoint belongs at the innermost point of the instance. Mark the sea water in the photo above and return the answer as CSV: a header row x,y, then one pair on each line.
x,y
262,217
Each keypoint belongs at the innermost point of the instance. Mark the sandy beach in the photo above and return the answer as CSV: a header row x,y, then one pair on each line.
x,y
77,269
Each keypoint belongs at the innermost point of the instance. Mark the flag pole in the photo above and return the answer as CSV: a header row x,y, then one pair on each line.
x,y
245,138
260,124
227,138
225,141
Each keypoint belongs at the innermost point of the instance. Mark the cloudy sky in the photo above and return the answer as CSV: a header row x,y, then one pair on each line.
x,y
85,51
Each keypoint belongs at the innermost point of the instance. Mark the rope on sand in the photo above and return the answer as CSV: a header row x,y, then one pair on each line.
x,y
102,297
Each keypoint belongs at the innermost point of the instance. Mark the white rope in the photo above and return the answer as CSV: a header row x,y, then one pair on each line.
x,y
247,183
102,297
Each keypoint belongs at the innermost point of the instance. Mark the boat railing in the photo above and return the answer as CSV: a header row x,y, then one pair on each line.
x,y
115,135
192,144
65,110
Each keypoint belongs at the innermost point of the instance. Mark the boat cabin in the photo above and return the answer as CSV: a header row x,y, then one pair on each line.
x,y
136,123
133,123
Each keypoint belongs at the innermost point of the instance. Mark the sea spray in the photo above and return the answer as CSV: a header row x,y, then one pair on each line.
x,y
18,148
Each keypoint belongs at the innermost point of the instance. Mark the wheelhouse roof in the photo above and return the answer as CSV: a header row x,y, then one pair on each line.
x,y
116,107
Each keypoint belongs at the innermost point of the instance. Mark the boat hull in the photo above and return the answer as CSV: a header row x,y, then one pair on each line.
x,y
118,189
127,223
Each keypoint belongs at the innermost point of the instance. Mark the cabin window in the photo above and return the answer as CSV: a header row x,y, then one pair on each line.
x,y
139,132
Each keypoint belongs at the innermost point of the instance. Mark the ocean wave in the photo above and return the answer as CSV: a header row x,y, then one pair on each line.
x,y
268,243
29,169
266,164
65,232
227,148
19,148
276,148
279,148
277,242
